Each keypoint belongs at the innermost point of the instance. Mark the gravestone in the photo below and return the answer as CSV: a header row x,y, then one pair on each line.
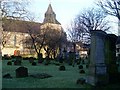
x,y
97,67
80,66
82,71
31,59
34,64
81,81
71,58
62,68
21,72
18,60
9,63
8,76
102,66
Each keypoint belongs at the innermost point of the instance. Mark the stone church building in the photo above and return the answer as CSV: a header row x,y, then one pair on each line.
x,y
15,31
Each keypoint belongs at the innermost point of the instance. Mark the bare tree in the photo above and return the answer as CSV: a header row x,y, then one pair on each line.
x,y
11,10
35,40
46,38
92,19
111,7
14,9
54,38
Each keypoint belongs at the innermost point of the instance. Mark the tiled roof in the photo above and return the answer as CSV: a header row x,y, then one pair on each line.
x,y
20,26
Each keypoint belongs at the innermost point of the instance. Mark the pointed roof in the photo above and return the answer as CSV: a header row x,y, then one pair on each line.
x,y
49,10
50,16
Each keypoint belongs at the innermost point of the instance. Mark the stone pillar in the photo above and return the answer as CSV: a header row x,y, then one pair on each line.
x,y
97,70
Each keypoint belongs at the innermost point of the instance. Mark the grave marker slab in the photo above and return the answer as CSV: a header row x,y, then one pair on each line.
x,y
21,72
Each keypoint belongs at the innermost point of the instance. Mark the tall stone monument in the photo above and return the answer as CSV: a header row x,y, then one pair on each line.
x,y
103,66
97,68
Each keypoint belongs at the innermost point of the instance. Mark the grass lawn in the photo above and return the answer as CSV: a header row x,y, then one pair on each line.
x,y
60,79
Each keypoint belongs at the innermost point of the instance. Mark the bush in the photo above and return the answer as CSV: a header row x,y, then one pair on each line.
x,y
82,71
9,63
62,68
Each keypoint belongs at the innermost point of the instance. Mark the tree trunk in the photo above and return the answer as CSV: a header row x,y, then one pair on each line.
x,y
39,56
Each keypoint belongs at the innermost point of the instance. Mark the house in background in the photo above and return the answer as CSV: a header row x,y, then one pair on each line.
x,y
80,48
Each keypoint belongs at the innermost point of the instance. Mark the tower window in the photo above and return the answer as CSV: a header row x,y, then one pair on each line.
x,y
117,50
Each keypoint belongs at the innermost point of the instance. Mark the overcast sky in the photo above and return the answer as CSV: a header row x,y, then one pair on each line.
x,y
65,10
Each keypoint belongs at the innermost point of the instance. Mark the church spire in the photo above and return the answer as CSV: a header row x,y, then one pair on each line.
x,y
49,10
50,16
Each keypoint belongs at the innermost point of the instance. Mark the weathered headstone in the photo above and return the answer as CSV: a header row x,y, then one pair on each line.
x,y
71,58
102,66
34,64
21,72
62,68
18,60
8,76
81,81
97,67
9,63
31,59
80,66
82,71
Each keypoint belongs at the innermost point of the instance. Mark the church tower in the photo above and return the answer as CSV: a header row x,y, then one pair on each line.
x,y
50,20
50,16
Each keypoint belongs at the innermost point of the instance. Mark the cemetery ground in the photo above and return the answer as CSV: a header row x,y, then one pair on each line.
x,y
59,79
